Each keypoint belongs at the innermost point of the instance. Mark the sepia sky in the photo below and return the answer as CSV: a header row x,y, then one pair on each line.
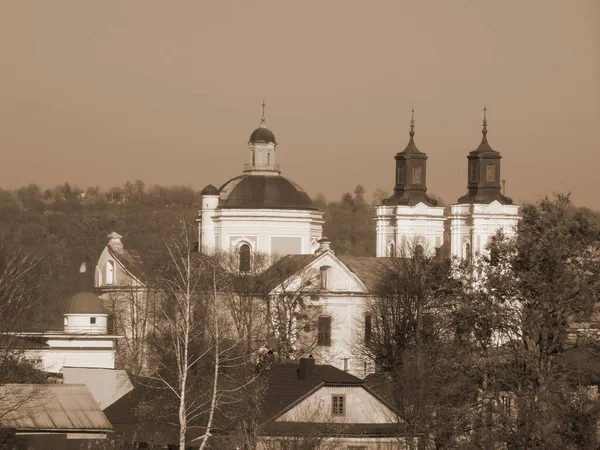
x,y
98,93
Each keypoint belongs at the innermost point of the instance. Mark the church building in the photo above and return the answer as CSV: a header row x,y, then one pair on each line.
x,y
261,211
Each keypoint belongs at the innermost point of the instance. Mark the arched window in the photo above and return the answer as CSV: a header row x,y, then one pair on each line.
x,y
110,272
418,251
391,249
244,258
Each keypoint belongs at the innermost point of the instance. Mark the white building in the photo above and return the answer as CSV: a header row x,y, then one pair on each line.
x,y
85,341
259,211
410,221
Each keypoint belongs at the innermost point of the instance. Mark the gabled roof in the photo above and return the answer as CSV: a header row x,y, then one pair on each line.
x,y
281,270
131,260
286,389
367,268
51,408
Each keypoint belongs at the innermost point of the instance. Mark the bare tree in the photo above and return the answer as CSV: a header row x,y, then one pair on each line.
x,y
195,356
406,333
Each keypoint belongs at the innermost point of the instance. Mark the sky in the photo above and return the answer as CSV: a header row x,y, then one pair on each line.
x,y
99,93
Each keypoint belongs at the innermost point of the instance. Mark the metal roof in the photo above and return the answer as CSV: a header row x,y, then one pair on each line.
x,y
50,407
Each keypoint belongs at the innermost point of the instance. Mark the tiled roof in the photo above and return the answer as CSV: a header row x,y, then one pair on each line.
x,y
51,407
285,388
368,268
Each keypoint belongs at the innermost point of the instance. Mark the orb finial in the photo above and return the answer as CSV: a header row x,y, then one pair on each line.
x,y
262,117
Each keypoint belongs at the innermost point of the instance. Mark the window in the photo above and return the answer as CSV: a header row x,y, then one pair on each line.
x,y
110,272
419,251
324,333
417,175
490,173
357,447
253,159
391,249
368,325
346,364
323,272
338,405
269,159
92,320
244,258
468,252
400,174
472,173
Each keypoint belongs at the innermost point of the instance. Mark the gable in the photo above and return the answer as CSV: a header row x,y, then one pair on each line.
x,y
361,406
295,272
124,271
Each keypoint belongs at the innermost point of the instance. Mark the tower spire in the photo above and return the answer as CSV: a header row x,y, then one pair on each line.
x,y
263,122
412,124
484,130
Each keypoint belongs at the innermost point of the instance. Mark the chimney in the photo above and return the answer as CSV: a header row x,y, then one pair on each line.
x,y
324,246
307,367
115,240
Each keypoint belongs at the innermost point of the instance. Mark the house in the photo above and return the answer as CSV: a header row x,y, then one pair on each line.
x,y
318,404
50,416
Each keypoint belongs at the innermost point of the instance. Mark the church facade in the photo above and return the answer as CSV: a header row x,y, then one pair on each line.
x,y
262,212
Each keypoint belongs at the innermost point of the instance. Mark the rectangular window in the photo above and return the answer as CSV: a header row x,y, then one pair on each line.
x,y
338,405
472,173
400,174
93,320
490,173
417,175
324,334
323,271
368,325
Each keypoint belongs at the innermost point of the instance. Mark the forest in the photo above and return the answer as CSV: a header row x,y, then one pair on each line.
x,y
67,226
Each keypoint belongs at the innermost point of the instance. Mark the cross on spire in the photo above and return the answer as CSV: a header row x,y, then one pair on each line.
x,y
262,118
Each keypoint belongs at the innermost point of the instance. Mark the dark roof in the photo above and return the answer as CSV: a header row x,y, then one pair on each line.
x,y
285,388
367,268
51,407
264,192
85,303
262,135
131,260
210,190
281,270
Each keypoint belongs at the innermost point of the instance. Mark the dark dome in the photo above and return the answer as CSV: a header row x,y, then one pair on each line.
x,y
210,190
85,303
263,192
262,135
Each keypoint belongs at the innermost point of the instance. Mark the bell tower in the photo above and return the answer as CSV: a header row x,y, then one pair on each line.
x,y
409,218
484,209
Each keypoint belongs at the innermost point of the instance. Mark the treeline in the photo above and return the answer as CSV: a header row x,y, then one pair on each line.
x,y
66,226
